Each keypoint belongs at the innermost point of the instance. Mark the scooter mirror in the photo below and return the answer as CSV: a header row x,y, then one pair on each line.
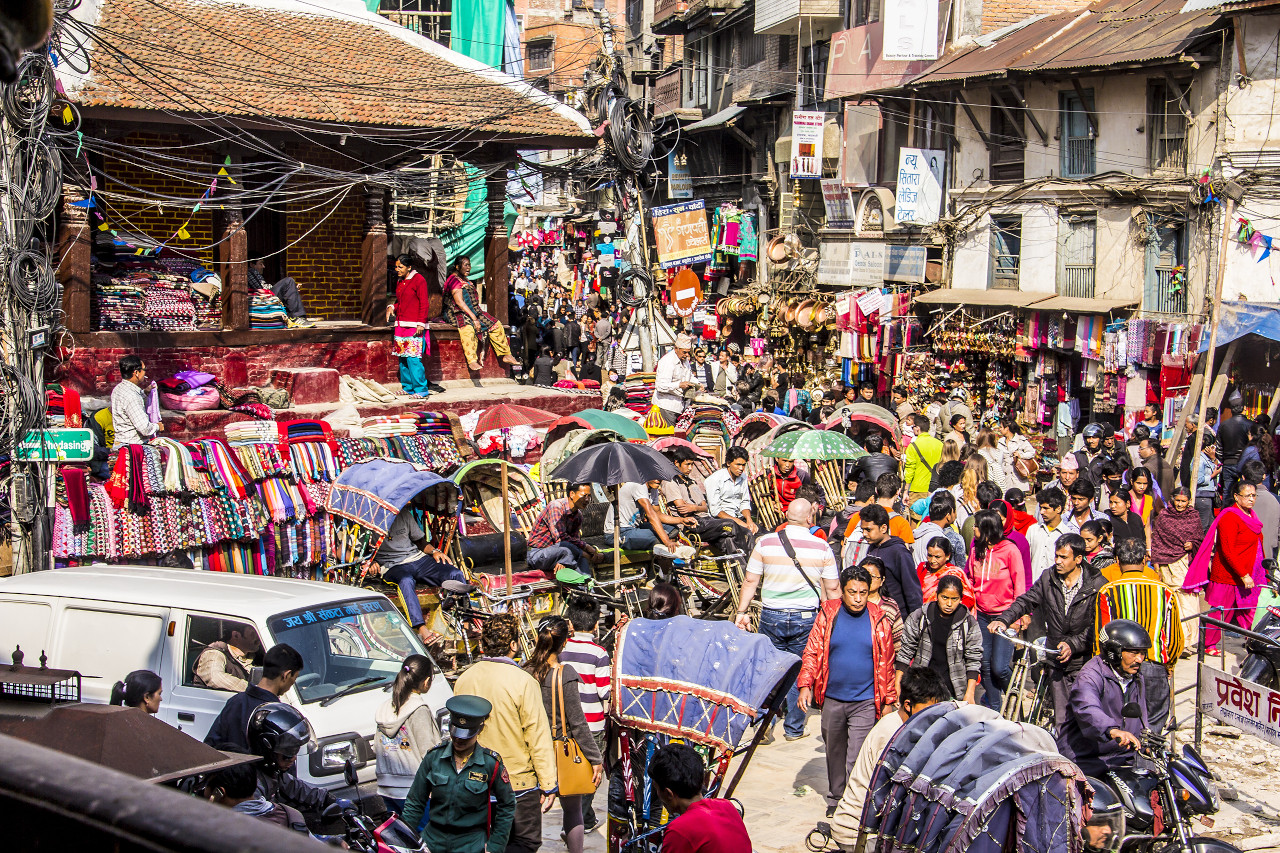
x,y
1272,570
349,772
1131,711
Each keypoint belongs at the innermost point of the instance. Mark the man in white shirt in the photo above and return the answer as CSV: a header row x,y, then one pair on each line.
x,y
728,498
674,376
1043,535
644,525
1081,495
921,687
129,415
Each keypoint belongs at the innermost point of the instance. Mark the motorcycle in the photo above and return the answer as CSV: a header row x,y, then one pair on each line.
x,y
1160,799
1262,665
365,833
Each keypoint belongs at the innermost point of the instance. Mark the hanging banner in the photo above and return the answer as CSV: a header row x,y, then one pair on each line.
x,y
806,144
919,196
1250,707
679,177
910,30
839,203
681,233
860,264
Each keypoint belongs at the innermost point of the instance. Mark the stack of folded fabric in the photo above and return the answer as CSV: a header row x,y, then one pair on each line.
x,y
168,304
120,303
432,423
639,387
266,311
387,425
63,408
253,432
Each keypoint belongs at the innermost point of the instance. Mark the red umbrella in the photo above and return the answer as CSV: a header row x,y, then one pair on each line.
x,y
508,415
669,442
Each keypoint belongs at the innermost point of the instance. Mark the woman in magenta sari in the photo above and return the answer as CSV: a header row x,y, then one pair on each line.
x,y
1228,566
462,306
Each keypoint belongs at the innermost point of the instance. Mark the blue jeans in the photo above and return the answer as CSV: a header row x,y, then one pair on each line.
x,y
642,538
427,571
788,630
997,664
413,376
560,554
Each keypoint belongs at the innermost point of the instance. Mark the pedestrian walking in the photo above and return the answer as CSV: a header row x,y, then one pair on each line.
x,y
995,568
944,636
406,730
1228,566
141,689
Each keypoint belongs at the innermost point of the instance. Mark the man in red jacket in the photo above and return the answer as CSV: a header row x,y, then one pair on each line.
x,y
847,670
701,825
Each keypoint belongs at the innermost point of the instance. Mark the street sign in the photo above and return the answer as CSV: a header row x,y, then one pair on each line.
x,y
56,445
1249,707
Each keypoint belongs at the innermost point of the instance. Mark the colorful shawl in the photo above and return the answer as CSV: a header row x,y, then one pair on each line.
x,y
1171,530
1198,572
77,498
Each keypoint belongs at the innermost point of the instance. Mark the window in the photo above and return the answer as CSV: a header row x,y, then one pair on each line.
x,y
1077,255
862,12
203,630
1006,251
429,18
635,15
541,54
697,61
813,72
1165,286
893,135
1078,132
786,52
1166,128
1008,142
599,5
751,50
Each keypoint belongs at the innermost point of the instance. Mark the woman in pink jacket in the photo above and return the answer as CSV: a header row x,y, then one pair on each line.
x,y
998,576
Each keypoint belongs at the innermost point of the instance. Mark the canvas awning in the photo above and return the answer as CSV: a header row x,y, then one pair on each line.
x,y
1237,319
1082,305
719,119
973,296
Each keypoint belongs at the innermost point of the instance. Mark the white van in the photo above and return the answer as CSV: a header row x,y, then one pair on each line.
x,y
106,621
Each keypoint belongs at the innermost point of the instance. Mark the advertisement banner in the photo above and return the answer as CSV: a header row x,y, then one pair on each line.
x,y
856,66
806,144
1250,707
853,264
919,196
905,263
679,177
681,234
910,30
839,203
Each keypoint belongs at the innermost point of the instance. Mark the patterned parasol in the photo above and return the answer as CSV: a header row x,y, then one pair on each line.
x,y
814,444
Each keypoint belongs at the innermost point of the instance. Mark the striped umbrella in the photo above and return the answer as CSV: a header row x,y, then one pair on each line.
x,y
814,445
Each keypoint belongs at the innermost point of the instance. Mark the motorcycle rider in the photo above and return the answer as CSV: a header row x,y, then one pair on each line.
x,y
277,733
235,787
1096,734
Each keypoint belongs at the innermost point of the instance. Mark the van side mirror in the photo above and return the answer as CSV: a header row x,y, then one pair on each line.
x,y
1131,711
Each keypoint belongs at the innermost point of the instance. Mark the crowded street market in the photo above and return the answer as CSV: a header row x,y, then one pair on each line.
x,y
625,428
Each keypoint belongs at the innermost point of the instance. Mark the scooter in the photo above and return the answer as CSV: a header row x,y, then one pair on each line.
x,y
1262,665
1161,798
367,834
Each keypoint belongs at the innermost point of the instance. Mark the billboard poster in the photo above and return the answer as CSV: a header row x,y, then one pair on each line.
x,y
681,233
679,178
839,203
910,30
806,144
918,199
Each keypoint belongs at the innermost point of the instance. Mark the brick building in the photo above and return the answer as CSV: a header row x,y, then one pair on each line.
x,y
302,142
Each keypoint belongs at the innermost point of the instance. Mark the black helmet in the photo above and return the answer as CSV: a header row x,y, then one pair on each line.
x,y
1093,431
1104,830
278,729
1122,635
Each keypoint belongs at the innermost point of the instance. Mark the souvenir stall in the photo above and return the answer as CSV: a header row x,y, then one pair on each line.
x,y
141,286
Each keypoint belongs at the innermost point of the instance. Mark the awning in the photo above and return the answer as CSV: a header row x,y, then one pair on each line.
x,y
720,119
1237,319
1081,305
972,296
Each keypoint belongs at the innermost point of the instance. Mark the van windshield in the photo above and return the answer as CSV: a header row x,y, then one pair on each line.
x,y
345,643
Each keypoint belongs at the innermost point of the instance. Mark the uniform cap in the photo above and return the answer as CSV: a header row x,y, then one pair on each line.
x,y
467,714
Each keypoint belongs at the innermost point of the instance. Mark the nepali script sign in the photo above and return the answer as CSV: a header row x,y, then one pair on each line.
x,y
681,233
919,196
1249,707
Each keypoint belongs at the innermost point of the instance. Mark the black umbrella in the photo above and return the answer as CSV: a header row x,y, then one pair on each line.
x,y
615,463
611,465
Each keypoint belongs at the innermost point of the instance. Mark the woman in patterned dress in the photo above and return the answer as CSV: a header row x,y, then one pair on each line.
x,y
462,306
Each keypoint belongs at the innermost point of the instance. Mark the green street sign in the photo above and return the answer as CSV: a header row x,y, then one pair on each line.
x,y
56,445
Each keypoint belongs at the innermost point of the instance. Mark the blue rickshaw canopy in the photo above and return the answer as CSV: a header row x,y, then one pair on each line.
x,y
372,493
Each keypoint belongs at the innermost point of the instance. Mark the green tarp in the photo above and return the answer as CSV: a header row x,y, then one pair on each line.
x,y
476,29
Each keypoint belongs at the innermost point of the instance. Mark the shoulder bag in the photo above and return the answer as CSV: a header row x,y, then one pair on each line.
x,y
573,771
933,469
791,552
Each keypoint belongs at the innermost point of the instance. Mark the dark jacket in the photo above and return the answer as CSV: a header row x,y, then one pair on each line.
x,y
1074,626
964,646
1163,473
287,789
1094,710
228,728
1233,436
901,583
870,467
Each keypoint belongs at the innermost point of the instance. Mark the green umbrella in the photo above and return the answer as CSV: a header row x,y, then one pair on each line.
x,y
814,444
623,426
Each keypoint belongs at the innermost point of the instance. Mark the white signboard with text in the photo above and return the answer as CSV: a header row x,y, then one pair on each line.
x,y
806,144
918,200
1250,707
910,30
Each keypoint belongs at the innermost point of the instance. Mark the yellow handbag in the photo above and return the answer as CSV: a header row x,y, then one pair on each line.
x,y
573,771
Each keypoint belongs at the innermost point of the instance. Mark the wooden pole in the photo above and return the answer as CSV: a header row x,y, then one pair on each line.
x,y
506,522
1229,207
617,540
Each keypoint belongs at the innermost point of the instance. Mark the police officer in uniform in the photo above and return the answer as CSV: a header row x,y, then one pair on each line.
x,y
471,803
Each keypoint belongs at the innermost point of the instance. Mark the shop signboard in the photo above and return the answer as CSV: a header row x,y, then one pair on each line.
x,y
839,203
56,445
680,231
848,263
806,144
1250,707
910,30
919,197
856,64
905,263
679,176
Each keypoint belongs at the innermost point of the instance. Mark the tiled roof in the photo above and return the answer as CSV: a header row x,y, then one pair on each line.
x,y
293,59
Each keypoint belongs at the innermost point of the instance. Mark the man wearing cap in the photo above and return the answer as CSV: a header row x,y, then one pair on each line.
x,y
456,780
686,499
1068,473
674,376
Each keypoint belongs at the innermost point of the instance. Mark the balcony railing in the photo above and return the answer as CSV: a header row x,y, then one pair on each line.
x,y
666,92
1163,298
1080,157
1077,281
663,9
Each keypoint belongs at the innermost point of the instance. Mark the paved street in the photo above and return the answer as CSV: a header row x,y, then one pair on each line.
x,y
783,789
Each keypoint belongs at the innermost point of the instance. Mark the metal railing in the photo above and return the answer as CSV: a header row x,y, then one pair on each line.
x,y
1162,298
1077,281
1080,159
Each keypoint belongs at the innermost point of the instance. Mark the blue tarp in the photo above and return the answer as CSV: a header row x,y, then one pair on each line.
x,y
372,493
1238,319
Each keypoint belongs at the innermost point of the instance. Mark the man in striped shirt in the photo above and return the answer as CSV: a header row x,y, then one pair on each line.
x,y
595,671
791,590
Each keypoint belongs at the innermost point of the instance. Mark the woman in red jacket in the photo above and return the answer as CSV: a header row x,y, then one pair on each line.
x,y
996,570
1228,566
847,670
410,342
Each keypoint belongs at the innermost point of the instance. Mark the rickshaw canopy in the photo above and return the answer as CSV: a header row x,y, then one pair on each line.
x,y
372,493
